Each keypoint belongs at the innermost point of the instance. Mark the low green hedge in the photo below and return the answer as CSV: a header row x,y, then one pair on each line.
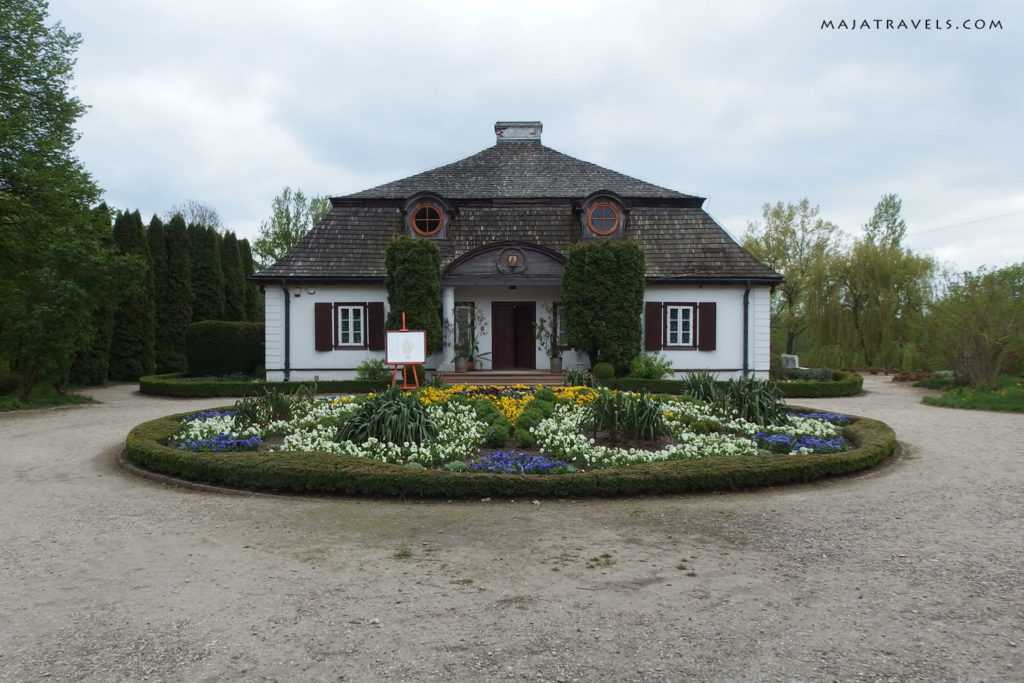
x,y
849,384
329,473
174,384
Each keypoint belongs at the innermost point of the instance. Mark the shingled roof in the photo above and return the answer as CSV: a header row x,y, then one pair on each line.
x,y
518,191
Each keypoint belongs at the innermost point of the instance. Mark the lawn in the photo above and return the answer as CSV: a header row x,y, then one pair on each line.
x,y
1008,396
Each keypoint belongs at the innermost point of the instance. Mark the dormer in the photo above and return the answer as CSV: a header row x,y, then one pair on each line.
x,y
428,215
603,215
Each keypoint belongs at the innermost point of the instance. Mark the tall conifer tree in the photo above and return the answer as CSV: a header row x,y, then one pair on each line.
x,y
178,302
207,274
131,351
253,293
234,279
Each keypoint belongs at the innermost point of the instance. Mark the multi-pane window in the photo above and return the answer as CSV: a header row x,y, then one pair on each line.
x,y
560,325
463,324
679,325
351,326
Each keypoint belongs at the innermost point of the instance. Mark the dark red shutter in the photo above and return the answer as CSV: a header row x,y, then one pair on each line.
x,y
375,325
706,326
652,326
323,316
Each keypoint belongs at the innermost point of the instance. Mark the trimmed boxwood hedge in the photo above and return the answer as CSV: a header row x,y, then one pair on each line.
x,y
175,384
849,384
329,473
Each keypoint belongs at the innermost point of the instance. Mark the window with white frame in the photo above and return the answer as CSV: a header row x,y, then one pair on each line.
x,y
350,325
679,325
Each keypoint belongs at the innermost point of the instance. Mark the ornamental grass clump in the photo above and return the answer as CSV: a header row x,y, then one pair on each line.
x,y
391,416
633,416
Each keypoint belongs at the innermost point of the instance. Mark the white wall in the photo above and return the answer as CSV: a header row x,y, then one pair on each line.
x,y
727,358
306,362
484,296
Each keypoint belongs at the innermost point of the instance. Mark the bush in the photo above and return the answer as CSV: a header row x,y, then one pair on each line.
x,y
218,347
755,400
813,374
849,384
649,366
604,372
174,384
373,369
8,383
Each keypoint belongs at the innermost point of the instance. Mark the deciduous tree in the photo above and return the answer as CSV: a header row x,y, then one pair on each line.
x,y
798,244
292,216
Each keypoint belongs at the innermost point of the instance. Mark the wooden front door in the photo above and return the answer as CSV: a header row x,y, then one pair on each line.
x,y
513,342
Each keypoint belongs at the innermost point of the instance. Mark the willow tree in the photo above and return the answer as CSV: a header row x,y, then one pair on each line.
x,y
799,245
978,322
886,289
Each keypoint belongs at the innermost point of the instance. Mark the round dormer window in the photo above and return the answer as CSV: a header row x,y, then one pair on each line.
x,y
427,219
603,218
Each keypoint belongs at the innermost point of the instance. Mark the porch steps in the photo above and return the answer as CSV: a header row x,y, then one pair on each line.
x,y
504,377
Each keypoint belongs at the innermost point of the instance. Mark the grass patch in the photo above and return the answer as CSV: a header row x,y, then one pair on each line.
x,y
1008,396
43,396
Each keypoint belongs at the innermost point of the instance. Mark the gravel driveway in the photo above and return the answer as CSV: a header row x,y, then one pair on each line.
x,y
909,572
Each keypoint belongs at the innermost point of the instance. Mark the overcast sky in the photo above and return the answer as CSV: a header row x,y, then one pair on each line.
x,y
226,102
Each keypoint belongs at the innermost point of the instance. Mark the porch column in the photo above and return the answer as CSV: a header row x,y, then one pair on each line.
x,y
448,312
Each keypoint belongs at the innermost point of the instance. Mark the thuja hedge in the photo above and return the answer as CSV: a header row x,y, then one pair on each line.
x,y
330,473
176,384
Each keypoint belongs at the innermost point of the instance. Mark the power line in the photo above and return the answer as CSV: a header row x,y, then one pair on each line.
x,y
958,225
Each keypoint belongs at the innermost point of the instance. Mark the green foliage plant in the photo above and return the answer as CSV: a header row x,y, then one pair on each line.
x,y
649,366
756,400
414,287
604,372
633,416
703,386
373,369
578,377
392,416
603,292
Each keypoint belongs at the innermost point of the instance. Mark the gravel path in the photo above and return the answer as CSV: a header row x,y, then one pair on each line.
x,y
910,572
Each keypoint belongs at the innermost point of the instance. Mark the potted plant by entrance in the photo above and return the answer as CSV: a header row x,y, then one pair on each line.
x,y
547,336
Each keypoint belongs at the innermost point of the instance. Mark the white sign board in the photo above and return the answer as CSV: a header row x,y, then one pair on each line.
x,y
409,347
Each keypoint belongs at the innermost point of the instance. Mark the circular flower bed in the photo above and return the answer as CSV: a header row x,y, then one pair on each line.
x,y
473,449
568,434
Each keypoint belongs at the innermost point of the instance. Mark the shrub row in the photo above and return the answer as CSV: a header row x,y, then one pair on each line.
x,y
174,384
327,473
849,384
219,347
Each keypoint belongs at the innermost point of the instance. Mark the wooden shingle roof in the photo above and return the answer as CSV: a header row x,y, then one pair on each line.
x,y
518,192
